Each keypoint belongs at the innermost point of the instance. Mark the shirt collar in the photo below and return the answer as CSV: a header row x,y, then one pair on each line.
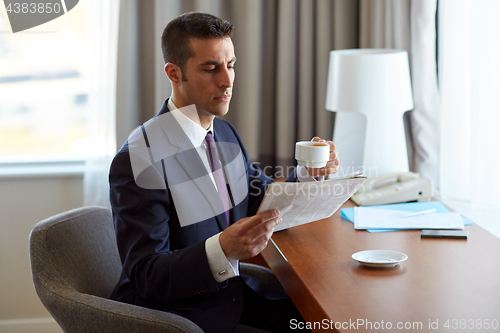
x,y
193,130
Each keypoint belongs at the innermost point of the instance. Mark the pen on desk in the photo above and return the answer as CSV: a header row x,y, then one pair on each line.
x,y
420,213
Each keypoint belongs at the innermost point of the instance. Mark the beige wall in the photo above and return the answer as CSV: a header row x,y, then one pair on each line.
x,y
24,201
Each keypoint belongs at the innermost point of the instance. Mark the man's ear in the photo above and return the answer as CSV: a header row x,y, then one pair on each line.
x,y
173,72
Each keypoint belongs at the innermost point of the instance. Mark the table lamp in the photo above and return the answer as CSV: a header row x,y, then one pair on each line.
x,y
370,90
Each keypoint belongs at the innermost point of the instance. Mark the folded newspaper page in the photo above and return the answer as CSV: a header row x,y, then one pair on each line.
x,y
301,203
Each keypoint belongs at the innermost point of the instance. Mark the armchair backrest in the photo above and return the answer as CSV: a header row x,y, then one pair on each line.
x,y
76,250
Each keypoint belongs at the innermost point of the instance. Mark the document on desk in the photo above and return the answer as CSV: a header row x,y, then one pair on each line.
x,y
372,218
301,203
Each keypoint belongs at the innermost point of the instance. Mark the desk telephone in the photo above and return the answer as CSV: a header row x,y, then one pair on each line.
x,y
394,188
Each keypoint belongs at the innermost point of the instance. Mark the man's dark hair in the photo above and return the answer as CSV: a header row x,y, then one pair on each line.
x,y
175,37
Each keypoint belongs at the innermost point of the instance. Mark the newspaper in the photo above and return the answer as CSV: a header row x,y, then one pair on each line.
x,y
301,203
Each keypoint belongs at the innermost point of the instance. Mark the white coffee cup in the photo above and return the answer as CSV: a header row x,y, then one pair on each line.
x,y
312,154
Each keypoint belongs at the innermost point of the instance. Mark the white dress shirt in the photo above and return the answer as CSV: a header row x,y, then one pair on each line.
x,y
221,267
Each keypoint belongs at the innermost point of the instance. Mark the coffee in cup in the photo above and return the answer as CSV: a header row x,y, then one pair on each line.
x,y
312,154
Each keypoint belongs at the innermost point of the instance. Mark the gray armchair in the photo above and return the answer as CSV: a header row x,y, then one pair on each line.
x,y
75,266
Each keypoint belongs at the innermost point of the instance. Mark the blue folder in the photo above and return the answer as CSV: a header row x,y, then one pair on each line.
x,y
348,213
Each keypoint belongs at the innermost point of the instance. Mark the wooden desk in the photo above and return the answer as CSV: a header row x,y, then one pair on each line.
x,y
441,280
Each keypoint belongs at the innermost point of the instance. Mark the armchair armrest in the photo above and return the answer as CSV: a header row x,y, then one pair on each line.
x,y
260,272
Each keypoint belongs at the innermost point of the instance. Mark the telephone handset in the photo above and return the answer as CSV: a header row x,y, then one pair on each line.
x,y
394,188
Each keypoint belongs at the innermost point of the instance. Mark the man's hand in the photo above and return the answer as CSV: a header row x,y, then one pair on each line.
x,y
249,236
332,166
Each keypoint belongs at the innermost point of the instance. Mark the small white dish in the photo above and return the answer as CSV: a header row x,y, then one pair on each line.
x,y
379,258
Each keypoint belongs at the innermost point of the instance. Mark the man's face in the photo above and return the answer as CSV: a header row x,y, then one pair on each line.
x,y
210,75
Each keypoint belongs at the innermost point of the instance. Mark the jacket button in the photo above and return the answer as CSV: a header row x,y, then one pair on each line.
x,y
237,299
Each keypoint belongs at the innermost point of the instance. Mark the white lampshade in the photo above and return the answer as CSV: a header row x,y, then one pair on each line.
x,y
375,84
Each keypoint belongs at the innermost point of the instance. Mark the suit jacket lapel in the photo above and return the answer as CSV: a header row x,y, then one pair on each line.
x,y
189,159
204,184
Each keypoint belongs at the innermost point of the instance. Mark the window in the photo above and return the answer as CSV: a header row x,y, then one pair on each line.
x,y
469,74
44,88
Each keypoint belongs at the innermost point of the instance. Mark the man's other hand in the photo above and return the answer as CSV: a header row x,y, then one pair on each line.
x,y
249,236
332,166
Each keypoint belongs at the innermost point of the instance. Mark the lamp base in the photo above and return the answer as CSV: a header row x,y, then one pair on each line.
x,y
373,145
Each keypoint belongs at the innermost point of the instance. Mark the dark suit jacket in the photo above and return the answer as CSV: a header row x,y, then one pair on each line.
x,y
165,265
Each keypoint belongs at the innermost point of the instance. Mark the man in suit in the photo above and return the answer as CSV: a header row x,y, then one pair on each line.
x,y
184,195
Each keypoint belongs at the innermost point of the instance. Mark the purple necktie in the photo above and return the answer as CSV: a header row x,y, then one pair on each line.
x,y
213,159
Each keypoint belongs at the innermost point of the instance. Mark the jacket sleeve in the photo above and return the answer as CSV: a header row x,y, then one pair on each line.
x,y
143,222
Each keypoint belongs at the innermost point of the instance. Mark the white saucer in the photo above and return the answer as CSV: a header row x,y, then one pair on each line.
x,y
379,258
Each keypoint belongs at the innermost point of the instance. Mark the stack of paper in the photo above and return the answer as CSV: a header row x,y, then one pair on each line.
x,y
348,213
372,218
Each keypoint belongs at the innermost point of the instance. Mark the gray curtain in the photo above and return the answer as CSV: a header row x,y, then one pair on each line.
x,y
411,25
282,48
